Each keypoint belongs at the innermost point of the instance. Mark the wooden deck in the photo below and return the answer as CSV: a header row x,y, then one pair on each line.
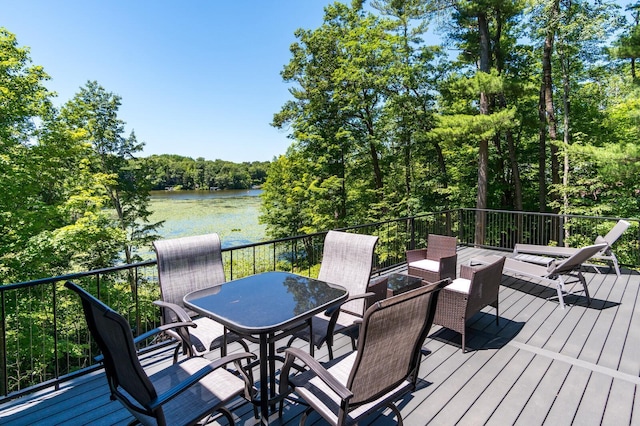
x,y
541,365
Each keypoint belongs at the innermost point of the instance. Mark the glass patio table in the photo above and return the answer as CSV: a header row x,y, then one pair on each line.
x,y
264,308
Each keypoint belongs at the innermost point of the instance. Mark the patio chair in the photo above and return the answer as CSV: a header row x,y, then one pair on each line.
x,y
346,261
477,287
557,274
606,254
184,265
437,261
182,394
381,371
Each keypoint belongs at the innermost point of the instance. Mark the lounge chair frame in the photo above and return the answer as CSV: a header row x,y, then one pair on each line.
x,y
606,254
558,274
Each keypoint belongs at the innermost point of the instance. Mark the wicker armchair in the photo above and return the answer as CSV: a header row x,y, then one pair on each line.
x,y
382,370
476,288
437,261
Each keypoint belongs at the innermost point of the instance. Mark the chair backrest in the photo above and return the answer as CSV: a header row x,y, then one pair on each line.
x,y
391,337
187,264
347,260
113,335
485,285
615,233
576,260
439,246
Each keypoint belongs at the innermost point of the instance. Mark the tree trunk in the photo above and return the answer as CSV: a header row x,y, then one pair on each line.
x,y
515,172
483,151
546,111
566,102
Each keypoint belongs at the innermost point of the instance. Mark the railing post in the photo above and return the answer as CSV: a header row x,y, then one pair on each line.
x,y
4,384
136,301
56,366
412,226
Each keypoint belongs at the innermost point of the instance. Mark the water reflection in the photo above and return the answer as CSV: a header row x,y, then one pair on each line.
x,y
309,293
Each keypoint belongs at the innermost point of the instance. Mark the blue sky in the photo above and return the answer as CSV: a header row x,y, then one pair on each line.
x,y
197,78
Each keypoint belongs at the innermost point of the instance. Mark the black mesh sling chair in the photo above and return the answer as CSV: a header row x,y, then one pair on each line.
x,y
187,264
184,393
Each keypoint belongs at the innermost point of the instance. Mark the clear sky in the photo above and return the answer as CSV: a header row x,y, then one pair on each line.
x,y
199,78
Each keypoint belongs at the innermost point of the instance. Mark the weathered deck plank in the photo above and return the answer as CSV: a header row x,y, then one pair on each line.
x,y
540,365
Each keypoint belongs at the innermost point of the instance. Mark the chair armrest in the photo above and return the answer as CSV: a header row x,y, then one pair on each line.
x,y
162,328
196,377
336,309
176,309
295,353
153,332
466,271
414,255
448,266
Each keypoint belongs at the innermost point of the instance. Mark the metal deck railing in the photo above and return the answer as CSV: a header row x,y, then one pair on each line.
x,y
44,340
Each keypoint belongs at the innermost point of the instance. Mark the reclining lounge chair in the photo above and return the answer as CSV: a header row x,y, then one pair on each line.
x,y
557,274
604,254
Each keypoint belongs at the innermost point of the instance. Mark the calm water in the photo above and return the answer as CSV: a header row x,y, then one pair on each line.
x,y
232,214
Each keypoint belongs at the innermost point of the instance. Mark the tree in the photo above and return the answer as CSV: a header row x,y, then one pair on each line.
x,y
481,29
627,46
50,213
341,76
93,115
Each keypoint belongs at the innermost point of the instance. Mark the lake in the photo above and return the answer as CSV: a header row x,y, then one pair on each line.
x,y
233,214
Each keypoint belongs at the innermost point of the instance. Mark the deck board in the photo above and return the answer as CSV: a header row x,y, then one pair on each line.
x,y
594,398
540,365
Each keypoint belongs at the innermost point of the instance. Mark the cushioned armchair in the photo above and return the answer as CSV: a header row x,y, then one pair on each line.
x,y
437,261
477,287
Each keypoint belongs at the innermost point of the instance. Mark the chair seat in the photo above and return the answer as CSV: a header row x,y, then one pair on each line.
x,y
319,395
207,335
216,388
321,326
461,285
426,264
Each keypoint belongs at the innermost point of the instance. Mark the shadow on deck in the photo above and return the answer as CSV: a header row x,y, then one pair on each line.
x,y
539,365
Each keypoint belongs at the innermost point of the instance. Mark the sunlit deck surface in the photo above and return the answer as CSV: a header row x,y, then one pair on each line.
x,y
541,365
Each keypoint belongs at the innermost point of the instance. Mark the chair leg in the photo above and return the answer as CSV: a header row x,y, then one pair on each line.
x,y
227,414
303,418
614,260
497,315
395,411
175,353
583,281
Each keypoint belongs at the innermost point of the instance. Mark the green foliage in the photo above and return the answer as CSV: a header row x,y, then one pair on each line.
x,y
386,126
177,172
92,115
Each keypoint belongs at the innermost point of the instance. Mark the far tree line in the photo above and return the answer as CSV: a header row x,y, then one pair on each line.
x,y
184,173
